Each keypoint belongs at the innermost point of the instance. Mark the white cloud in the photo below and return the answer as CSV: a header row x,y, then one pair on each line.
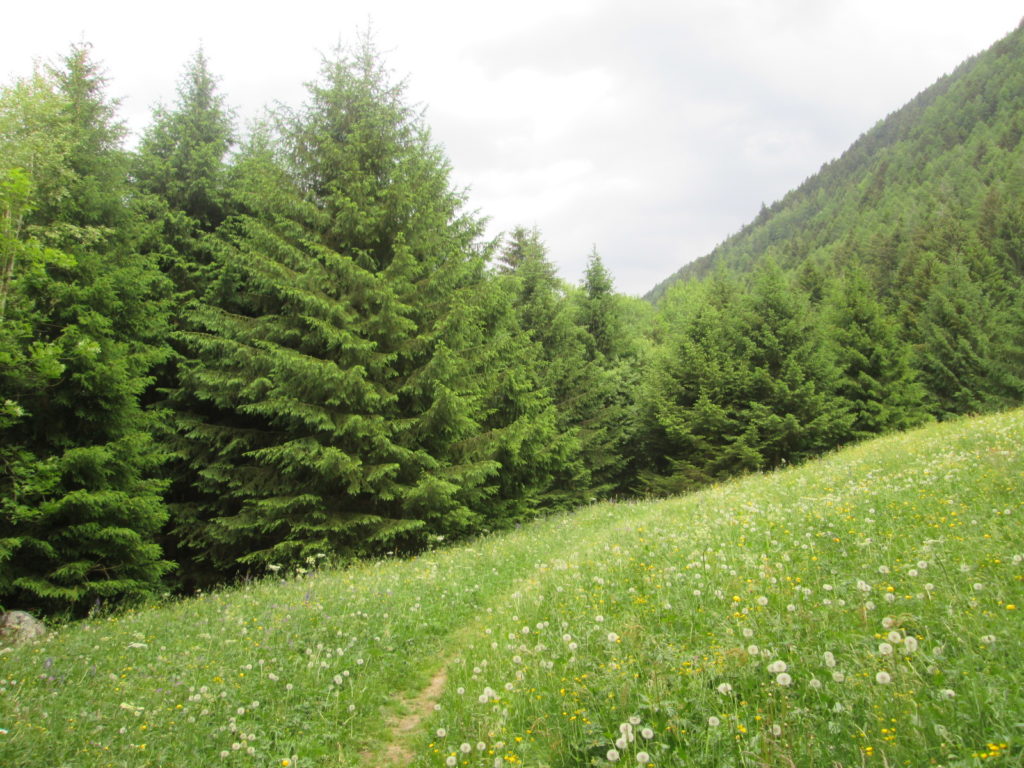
x,y
653,129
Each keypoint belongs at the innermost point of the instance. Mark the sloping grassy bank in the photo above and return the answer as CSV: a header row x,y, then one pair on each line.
x,y
864,609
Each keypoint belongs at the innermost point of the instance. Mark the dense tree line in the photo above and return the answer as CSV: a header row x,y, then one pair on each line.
x,y
222,354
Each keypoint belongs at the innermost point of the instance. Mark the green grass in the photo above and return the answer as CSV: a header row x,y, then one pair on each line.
x,y
888,578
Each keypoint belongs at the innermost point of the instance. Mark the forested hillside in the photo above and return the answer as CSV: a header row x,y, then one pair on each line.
x,y
942,176
891,280
224,353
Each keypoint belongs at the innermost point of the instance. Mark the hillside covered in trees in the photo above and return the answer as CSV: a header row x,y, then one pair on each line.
x,y
226,354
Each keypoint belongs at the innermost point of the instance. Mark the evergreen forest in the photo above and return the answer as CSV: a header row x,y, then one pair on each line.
x,y
226,353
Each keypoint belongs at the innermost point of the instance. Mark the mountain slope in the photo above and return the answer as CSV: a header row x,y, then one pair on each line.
x,y
945,172
858,610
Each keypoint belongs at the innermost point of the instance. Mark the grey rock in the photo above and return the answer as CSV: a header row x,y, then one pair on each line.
x,y
17,627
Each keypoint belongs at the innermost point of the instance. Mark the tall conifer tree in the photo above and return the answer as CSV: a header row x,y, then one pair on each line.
x,y
878,379
181,177
341,366
80,505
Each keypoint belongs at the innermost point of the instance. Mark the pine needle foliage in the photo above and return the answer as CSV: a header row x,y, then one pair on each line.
x,y
341,397
81,502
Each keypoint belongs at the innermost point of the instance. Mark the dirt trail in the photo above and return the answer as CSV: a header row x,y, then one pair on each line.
x,y
417,709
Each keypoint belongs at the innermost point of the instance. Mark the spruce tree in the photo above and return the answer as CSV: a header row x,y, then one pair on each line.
x,y
600,312
81,505
695,398
794,411
878,379
180,175
182,191
607,422
956,351
742,381
547,316
341,393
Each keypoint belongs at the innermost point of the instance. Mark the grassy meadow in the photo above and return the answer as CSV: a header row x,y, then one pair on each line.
x,y
860,610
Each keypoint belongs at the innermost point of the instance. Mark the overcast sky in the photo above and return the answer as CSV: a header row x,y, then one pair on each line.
x,y
652,130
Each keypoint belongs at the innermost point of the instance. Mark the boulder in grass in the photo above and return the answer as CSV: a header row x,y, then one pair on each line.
x,y
17,627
